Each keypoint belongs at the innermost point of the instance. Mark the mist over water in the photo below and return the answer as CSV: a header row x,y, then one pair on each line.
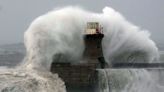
x,y
61,32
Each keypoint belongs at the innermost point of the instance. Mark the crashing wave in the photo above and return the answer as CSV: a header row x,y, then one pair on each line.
x,y
61,32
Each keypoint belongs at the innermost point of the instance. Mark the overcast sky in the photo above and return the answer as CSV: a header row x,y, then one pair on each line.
x,y
16,15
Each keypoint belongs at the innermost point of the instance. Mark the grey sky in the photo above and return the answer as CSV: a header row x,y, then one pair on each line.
x,y
16,15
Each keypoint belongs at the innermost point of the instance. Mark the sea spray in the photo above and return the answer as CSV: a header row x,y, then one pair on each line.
x,y
61,32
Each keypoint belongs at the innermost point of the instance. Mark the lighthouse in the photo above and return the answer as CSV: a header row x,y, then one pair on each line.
x,y
93,48
83,74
